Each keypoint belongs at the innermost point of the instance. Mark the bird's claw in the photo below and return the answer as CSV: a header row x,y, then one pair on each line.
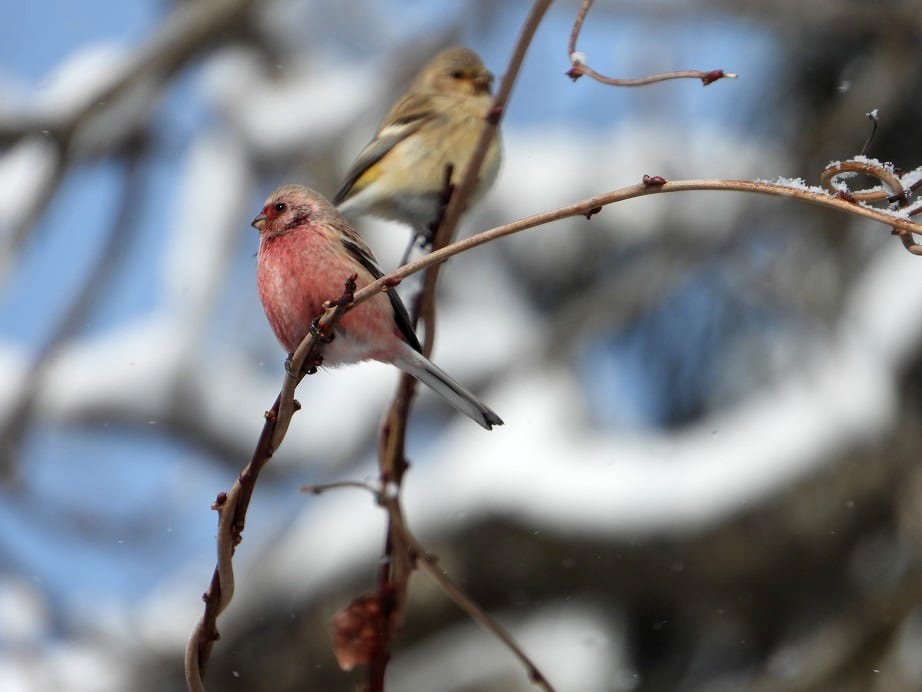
x,y
318,332
306,369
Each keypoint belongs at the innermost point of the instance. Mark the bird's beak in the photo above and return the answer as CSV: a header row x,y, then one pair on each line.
x,y
259,222
483,81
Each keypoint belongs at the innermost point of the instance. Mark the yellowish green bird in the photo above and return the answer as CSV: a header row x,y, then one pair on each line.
x,y
401,174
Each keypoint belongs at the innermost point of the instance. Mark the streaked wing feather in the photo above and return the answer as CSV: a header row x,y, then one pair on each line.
x,y
356,247
406,117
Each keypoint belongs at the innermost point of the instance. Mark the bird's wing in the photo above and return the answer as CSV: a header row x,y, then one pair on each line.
x,y
408,115
357,248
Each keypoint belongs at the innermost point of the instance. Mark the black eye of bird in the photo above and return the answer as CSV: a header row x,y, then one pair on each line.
x,y
457,74
280,207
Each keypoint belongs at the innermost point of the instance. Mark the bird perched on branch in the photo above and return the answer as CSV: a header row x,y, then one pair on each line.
x,y
429,133
307,250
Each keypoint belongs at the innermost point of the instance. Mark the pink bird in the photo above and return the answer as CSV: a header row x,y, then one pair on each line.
x,y
306,252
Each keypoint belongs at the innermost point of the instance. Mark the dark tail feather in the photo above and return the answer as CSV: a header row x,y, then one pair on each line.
x,y
454,393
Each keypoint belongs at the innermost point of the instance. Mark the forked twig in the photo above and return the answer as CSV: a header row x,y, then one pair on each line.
x,y
419,557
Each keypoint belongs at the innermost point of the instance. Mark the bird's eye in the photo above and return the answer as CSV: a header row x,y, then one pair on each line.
x,y
280,207
457,74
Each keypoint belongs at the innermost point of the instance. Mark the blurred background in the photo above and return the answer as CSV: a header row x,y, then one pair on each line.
x,y
709,474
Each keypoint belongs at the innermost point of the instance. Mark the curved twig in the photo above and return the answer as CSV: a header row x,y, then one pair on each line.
x,y
417,555
478,615
593,205
897,194
866,167
462,600
232,506
578,66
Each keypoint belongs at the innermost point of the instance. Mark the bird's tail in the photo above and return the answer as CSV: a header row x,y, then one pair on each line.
x,y
454,393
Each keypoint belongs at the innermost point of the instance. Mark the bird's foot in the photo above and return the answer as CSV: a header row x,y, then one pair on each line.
x,y
306,369
322,336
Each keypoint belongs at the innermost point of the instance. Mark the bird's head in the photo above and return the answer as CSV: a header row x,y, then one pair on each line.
x,y
456,70
289,207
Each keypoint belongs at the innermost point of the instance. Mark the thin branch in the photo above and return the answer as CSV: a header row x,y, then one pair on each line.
x,y
407,544
322,488
462,600
872,116
706,76
307,357
594,204
396,567
430,564
578,25
491,122
578,67
232,506
396,422
462,192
